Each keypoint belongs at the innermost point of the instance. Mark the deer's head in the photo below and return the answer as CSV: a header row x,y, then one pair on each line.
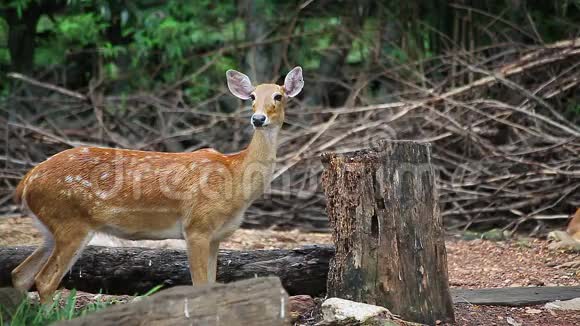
x,y
268,100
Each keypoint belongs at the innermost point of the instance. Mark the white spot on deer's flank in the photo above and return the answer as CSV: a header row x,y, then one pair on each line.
x,y
85,150
68,179
185,310
78,178
102,195
86,183
104,175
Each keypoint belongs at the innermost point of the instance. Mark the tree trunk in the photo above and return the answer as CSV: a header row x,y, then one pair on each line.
x,y
137,270
22,39
259,301
259,56
22,31
383,207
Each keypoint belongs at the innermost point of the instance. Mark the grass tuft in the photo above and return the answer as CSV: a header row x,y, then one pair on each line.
x,y
35,314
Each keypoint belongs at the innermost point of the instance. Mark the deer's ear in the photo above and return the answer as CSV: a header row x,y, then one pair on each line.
x,y
294,82
239,84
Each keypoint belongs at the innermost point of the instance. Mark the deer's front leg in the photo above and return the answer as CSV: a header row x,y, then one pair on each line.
x,y
212,264
198,252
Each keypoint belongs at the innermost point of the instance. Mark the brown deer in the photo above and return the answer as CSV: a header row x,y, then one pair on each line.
x,y
568,240
574,226
199,196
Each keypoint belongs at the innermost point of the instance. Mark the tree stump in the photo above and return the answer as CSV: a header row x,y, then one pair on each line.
x,y
387,229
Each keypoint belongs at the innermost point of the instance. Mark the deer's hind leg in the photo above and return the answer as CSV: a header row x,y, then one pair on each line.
x,y
69,241
23,275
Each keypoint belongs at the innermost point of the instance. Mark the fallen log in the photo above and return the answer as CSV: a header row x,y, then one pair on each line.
x,y
137,270
260,301
515,297
302,271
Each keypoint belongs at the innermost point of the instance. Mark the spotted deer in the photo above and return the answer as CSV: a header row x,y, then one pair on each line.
x,y
568,240
574,226
199,196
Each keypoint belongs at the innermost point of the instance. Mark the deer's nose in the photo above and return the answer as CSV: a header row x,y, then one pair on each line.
x,y
258,120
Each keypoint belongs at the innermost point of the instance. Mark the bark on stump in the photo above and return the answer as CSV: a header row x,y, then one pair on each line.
x,y
387,229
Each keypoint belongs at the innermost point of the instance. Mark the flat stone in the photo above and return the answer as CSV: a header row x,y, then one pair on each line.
x,y
336,309
573,304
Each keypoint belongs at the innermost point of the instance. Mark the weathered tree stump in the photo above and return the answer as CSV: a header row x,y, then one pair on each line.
x,y
387,229
259,301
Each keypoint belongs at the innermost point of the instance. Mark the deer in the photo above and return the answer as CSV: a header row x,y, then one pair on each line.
x,y
570,237
568,240
198,196
573,228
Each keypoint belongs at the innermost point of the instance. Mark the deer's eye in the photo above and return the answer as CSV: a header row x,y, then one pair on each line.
x,y
277,97
252,97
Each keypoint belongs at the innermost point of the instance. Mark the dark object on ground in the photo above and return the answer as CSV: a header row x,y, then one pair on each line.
x,y
137,270
525,296
259,301
390,247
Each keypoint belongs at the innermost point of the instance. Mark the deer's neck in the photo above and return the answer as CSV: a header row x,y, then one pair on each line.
x,y
262,148
259,161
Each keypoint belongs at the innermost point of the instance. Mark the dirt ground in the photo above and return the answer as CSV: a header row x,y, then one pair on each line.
x,y
472,264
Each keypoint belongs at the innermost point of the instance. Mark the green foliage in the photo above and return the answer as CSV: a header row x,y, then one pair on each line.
x,y
142,45
81,29
19,5
4,53
32,314
317,46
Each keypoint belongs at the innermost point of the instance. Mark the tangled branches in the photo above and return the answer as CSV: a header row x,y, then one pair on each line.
x,y
505,154
506,151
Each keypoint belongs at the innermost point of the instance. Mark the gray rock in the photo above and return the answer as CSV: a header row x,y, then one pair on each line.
x,y
573,304
335,309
